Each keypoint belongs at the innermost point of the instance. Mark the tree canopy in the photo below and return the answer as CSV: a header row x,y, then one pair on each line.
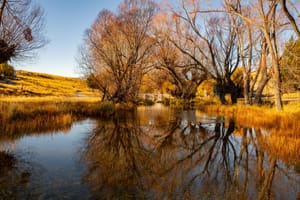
x,y
118,49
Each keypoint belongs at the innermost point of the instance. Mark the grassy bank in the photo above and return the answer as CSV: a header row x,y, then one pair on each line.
x,y
33,110
32,114
40,85
21,108
43,109
259,116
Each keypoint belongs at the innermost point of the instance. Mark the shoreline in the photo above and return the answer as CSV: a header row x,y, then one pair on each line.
x,y
20,108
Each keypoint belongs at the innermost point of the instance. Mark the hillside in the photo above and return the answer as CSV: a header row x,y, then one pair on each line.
x,y
39,84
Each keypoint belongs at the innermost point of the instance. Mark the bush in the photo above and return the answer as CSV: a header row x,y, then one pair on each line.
x,y
6,71
91,81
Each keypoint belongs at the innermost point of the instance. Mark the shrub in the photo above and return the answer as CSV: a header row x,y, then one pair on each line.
x,y
91,82
6,71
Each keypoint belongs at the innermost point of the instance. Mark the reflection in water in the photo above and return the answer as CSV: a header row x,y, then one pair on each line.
x,y
117,159
153,153
15,173
44,164
182,156
12,178
17,129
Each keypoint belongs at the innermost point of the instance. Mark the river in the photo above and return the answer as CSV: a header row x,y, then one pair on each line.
x,y
153,153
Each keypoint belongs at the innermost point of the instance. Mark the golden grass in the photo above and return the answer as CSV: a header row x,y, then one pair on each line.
x,y
53,99
39,84
283,128
260,116
33,110
44,108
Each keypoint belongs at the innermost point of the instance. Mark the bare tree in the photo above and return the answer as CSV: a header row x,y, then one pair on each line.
x,y
185,75
118,49
253,53
210,41
21,29
270,22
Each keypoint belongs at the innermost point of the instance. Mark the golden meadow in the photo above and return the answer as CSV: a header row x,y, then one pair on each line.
x,y
40,85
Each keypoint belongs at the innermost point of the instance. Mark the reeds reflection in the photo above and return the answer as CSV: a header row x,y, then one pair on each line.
x,y
184,156
39,159
42,125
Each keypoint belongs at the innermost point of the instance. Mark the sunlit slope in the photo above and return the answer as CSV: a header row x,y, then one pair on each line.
x,y
39,84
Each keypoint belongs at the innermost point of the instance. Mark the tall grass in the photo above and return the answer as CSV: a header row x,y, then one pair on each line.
x,y
260,116
33,110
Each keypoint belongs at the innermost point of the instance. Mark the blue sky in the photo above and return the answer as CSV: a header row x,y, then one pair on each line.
x,y
66,22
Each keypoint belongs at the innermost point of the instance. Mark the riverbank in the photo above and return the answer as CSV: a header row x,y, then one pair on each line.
x,y
259,116
33,114
22,108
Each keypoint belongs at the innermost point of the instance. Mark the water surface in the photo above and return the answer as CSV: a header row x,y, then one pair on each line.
x,y
153,153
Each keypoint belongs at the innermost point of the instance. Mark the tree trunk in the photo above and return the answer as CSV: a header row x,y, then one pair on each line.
x,y
234,98
271,40
220,90
277,86
222,98
247,70
260,88
263,73
247,97
233,94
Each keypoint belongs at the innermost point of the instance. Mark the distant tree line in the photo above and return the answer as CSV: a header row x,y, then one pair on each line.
x,y
238,44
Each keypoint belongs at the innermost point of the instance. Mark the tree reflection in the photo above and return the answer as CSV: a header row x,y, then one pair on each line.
x,y
19,177
185,158
117,159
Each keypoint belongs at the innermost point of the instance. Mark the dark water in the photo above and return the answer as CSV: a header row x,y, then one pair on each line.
x,y
155,153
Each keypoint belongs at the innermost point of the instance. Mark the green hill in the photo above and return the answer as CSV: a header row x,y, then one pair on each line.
x,y
32,84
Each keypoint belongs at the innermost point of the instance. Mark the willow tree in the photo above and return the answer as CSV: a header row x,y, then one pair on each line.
x,y
184,75
118,49
21,29
210,41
